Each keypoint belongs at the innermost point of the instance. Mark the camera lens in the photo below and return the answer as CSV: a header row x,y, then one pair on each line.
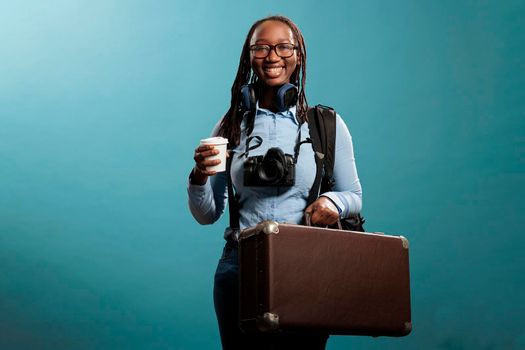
x,y
271,170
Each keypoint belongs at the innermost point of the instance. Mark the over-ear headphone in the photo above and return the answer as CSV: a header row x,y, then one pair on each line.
x,y
286,97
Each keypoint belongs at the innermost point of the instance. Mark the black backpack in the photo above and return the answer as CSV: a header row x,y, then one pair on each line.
x,y
322,124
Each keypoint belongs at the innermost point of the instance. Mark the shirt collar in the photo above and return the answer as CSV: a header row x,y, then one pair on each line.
x,y
289,113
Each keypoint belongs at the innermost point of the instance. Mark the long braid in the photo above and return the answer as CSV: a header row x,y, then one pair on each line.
x,y
231,123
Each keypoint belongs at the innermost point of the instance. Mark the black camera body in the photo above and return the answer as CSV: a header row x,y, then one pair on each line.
x,y
273,169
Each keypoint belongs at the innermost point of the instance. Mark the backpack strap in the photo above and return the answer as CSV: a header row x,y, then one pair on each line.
x,y
322,126
329,119
233,204
313,126
321,123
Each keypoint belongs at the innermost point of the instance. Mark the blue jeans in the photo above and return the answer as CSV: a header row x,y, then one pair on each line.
x,y
226,300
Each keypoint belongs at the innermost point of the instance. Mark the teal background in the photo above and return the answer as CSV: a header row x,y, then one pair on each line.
x,y
103,102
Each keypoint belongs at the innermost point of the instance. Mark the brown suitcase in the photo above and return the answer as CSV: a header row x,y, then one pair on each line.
x,y
315,279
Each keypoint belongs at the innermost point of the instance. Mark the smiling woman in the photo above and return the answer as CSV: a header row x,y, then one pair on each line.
x,y
267,119
273,58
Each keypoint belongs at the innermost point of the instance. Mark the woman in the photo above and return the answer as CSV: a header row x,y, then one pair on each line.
x,y
273,56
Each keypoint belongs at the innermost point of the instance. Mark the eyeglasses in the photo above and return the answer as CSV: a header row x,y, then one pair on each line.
x,y
283,50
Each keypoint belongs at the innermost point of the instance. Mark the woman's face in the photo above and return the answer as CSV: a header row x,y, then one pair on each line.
x,y
273,70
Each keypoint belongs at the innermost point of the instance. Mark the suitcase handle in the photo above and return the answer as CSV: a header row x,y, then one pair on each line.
x,y
308,221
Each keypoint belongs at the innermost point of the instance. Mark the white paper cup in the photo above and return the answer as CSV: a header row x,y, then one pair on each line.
x,y
220,144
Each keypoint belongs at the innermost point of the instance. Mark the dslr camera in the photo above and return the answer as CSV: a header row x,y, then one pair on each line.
x,y
273,169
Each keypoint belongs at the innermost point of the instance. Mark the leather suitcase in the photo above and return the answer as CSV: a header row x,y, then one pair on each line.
x,y
323,280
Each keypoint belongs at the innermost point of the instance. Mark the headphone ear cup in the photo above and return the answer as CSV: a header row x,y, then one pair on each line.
x,y
287,96
248,99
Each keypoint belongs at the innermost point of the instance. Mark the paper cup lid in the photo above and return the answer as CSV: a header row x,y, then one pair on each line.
x,y
214,141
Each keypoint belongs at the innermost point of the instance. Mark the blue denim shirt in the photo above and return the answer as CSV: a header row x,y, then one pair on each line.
x,y
282,204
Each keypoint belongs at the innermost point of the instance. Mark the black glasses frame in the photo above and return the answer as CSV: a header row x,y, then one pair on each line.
x,y
274,48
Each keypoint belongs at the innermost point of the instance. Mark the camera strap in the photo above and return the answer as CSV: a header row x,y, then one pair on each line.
x,y
298,144
259,141
247,148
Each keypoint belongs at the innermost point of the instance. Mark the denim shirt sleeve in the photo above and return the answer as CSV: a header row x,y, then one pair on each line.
x,y
207,202
347,192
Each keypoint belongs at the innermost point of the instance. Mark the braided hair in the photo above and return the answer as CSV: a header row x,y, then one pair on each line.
x,y
231,123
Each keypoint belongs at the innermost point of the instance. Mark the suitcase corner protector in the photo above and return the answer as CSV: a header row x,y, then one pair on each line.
x,y
268,227
268,322
404,241
408,328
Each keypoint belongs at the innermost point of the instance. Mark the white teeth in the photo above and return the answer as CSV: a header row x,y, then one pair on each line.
x,y
273,71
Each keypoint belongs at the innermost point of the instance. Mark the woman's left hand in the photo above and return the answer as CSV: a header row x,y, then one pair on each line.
x,y
322,212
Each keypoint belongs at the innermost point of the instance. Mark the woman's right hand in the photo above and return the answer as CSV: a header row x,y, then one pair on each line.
x,y
201,155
